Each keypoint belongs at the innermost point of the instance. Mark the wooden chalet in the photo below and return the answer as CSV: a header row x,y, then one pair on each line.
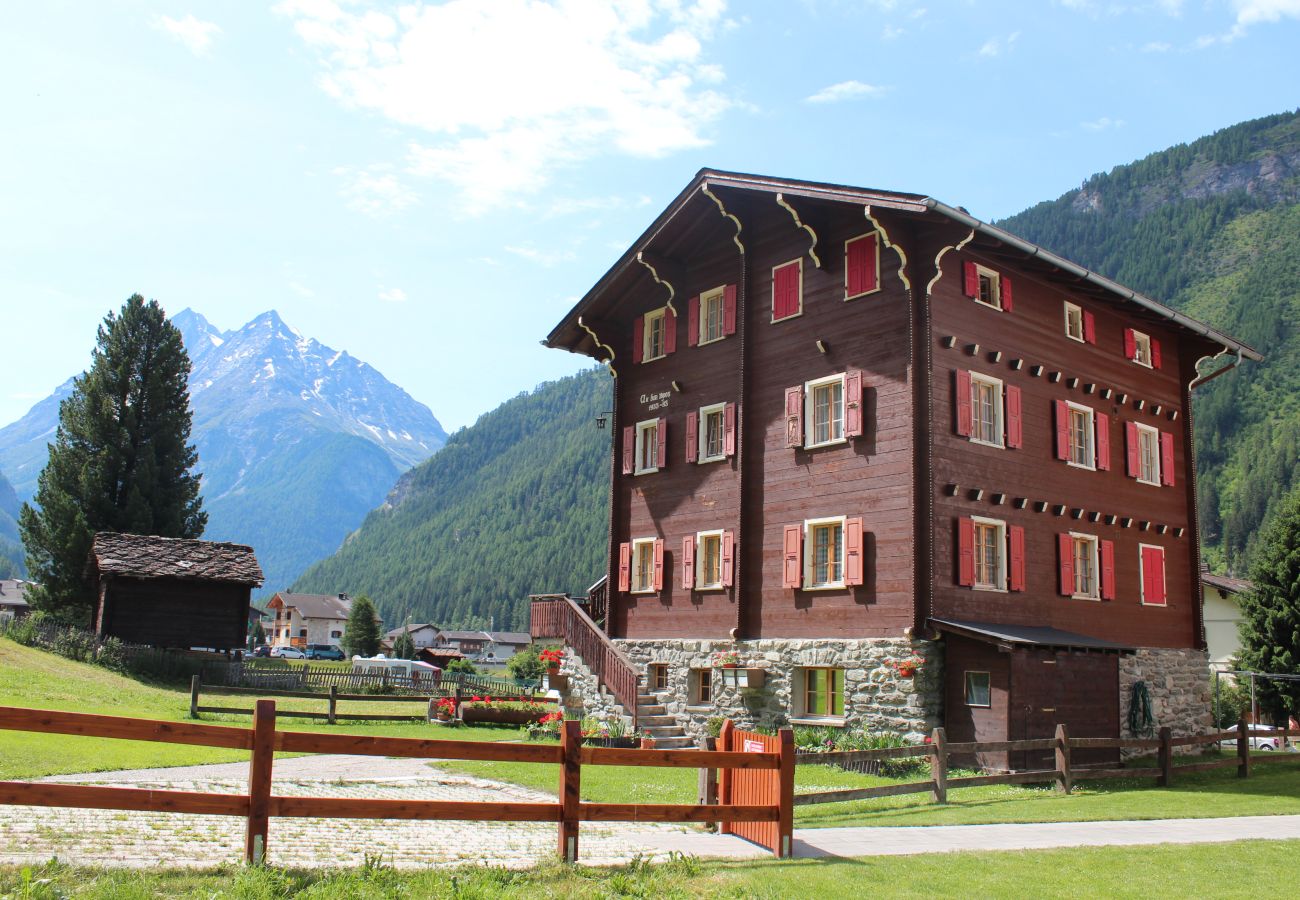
x,y
860,433
172,592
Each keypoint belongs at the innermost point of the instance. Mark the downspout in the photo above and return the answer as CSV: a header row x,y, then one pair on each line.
x,y
738,551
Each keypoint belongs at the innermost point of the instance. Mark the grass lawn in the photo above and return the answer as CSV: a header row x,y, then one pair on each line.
x,y
1204,870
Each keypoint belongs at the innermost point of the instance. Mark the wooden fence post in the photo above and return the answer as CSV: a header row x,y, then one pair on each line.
x,y
1064,778
1165,758
785,796
708,783
1243,748
939,765
570,788
195,682
334,704
725,776
259,782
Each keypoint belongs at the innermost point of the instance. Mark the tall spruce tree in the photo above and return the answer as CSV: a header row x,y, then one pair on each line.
x,y
361,633
120,460
1270,628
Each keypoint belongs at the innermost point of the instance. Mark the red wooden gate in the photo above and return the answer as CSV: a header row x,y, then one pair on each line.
x,y
764,787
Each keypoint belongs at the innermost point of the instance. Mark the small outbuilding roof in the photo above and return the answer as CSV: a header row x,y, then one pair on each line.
x,y
150,556
1025,635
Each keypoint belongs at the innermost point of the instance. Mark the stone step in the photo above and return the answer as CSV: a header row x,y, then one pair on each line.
x,y
662,730
660,721
655,710
674,743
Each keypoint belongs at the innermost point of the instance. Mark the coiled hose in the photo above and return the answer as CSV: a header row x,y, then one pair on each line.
x,y
1140,720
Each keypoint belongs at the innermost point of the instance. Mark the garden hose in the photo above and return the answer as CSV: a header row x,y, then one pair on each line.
x,y
1140,720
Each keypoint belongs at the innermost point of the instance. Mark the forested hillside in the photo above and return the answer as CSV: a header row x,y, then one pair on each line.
x,y
1212,228
515,504
11,551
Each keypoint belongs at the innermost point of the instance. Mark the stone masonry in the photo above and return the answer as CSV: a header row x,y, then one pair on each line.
x,y
1178,681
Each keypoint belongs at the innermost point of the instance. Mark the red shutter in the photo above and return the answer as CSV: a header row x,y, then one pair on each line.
x,y
1089,327
854,558
1107,570
972,279
1004,292
792,574
638,338
693,321
661,451
670,331
1130,344
729,309
688,562
1065,547
794,416
860,266
1062,430
1015,427
1155,353
1153,576
728,558
1017,558
624,567
1102,421
785,290
729,430
966,552
962,398
852,403
1134,451
659,564
629,449
692,436
1166,458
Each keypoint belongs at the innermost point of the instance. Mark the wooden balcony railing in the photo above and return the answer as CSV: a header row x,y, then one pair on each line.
x,y
560,616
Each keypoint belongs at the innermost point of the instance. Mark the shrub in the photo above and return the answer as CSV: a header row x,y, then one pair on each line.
x,y
463,666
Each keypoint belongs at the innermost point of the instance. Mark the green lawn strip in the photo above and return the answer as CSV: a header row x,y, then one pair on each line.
x,y
1201,870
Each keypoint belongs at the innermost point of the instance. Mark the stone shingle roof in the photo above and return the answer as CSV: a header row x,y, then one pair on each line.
x,y
149,556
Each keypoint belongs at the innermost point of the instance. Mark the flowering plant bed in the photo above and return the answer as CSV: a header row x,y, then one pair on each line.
x,y
726,659
504,712
546,728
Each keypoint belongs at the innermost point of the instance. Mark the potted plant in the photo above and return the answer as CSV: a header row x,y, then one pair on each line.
x,y
732,673
598,733
906,668
445,709
551,657
547,728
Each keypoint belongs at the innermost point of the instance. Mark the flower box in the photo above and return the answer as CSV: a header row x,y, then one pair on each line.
x,y
470,714
743,678
557,682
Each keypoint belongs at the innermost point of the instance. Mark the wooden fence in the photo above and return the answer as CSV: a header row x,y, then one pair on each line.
x,y
263,740
304,677
1064,774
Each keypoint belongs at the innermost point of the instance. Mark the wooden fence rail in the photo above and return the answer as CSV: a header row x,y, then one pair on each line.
x,y
263,739
1063,775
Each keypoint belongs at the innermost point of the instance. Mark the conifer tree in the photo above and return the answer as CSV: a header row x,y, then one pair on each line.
x,y
404,646
120,460
361,634
1270,628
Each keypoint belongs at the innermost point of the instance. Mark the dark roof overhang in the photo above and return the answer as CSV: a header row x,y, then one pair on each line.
x,y
1010,637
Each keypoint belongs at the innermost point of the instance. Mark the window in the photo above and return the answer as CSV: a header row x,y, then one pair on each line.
x,y
990,558
647,446
986,286
1074,321
658,677
825,412
713,432
986,410
1086,576
1152,561
978,691
1148,454
643,566
702,687
655,341
787,290
708,572
302,632
336,634
1081,434
712,316
825,553
861,266
823,692
1141,349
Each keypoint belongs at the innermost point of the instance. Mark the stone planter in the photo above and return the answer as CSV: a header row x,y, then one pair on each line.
x,y
742,678
557,682
489,716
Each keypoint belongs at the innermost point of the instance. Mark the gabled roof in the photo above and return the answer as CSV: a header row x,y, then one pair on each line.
x,y
465,636
316,606
511,637
13,592
411,629
149,556
1226,583
569,334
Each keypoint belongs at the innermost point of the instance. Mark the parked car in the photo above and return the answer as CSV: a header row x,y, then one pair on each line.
x,y
287,653
261,650
324,651
1262,741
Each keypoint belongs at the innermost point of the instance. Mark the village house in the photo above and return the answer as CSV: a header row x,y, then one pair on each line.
x,y
302,619
13,598
424,635
903,468
1222,618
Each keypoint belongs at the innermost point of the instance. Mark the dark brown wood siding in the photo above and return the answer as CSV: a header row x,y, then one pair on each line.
x,y
1061,687
976,723
166,612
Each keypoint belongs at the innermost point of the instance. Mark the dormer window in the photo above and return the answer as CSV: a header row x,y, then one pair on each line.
x,y
987,286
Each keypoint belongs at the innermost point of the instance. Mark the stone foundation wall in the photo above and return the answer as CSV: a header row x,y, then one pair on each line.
x,y
876,697
584,696
1178,681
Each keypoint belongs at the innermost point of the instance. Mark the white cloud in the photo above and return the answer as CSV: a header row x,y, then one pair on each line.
x,y
1251,13
846,90
375,191
195,34
392,295
502,93
891,33
996,46
1103,124
541,257
1156,47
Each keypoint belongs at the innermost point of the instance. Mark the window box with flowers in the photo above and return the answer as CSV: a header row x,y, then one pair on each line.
x,y
488,710
727,662
907,667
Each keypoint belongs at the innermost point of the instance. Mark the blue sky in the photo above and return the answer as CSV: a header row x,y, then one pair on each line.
x,y
431,186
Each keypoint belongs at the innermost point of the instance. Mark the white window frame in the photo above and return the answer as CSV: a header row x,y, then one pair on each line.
x,y
810,562
999,410
720,295
854,240
1164,572
1091,539
988,676
999,584
642,428
1090,432
1144,430
647,334
798,312
1141,343
649,586
1076,309
702,454
810,407
700,538
995,279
